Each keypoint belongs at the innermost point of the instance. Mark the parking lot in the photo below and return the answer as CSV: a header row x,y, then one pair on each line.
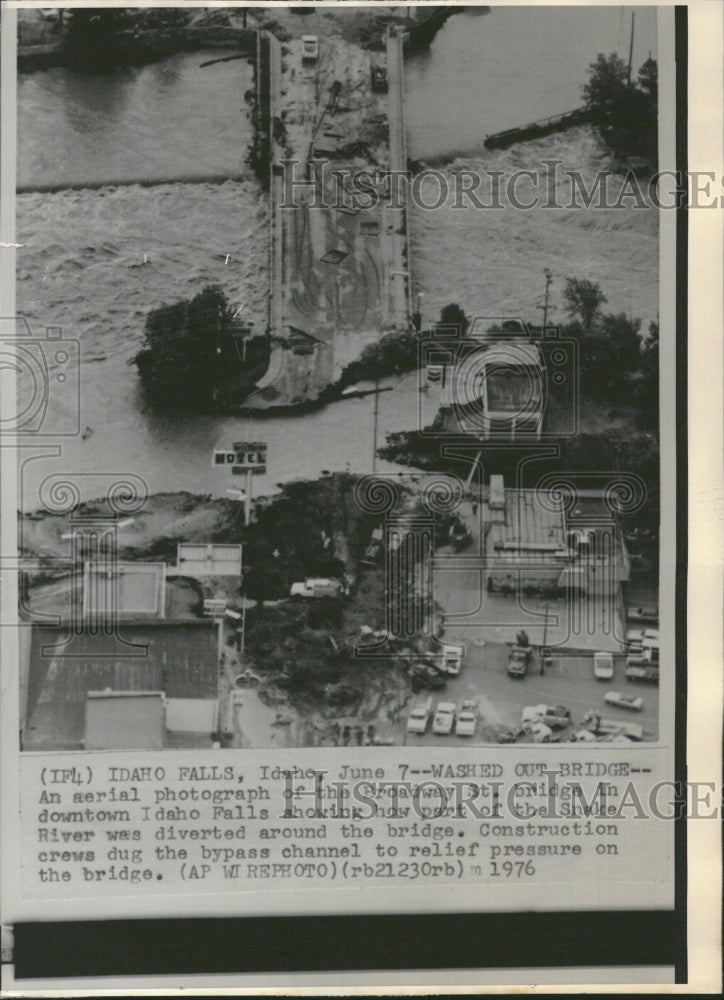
x,y
568,681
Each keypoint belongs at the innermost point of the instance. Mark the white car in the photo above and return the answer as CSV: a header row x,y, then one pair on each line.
x,y
582,736
418,717
540,732
603,666
466,719
622,701
444,718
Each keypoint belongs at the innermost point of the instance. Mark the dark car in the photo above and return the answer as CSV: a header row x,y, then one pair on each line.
x,y
425,676
519,660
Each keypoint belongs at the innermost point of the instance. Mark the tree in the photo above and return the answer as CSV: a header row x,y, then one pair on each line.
x,y
393,354
453,315
190,359
648,388
264,583
649,79
610,353
96,20
607,86
626,114
583,300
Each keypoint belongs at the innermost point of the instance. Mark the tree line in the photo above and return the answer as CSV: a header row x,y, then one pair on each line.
x,y
625,111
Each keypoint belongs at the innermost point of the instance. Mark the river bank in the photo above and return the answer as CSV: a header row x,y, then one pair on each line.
x,y
131,49
107,40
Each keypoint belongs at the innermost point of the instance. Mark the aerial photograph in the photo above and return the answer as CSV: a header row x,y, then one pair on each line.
x,y
338,376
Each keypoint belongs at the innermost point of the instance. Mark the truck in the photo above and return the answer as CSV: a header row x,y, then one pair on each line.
x,y
310,48
450,659
519,661
419,717
317,588
553,716
639,668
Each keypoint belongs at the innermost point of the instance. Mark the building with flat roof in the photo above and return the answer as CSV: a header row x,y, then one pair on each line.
x,y
492,382
124,720
124,590
534,542
176,659
199,559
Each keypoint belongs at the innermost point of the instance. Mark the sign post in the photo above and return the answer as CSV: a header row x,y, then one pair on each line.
x,y
246,458
247,498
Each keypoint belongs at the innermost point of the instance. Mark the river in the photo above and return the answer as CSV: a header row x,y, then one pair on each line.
x,y
487,72
82,266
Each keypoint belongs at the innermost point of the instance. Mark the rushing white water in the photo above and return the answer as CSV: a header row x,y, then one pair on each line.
x,y
491,260
82,265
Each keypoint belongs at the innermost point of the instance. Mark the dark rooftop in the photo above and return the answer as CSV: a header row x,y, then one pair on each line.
x,y
176,658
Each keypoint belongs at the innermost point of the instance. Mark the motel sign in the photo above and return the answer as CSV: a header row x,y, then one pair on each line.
x,y
243,457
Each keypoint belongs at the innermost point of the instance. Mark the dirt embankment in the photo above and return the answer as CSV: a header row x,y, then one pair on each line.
x,y
130,48
139,36
152,532
150,35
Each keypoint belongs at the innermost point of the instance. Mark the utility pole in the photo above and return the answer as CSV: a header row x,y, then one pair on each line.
x,y
549,279
630,47
247,498
542,653
374,423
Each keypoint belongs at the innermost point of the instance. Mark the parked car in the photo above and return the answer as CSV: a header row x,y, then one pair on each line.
x,y
419,717
582,736
425,676
634,639
648,613
444,718
638,668
310,48
317,588
624,701
466,719
518,661
374,549
650,645
540,732
603,666
378,78
460,535
555,716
